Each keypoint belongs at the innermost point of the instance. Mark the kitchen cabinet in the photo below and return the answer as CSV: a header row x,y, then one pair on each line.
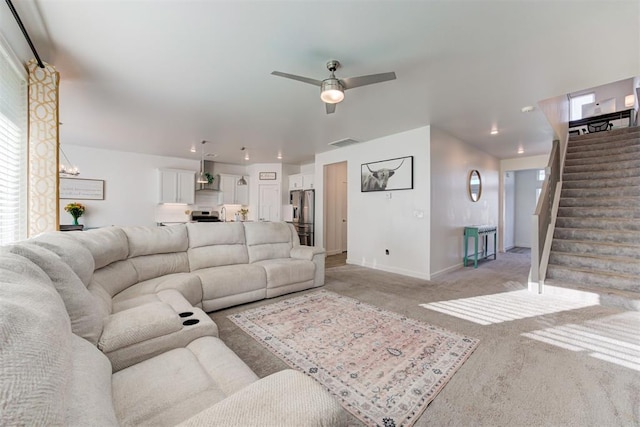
x,y
232,193
177,186
301,181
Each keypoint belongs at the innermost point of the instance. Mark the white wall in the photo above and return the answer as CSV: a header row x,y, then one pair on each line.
x,y
526,183
377,222
131,187
508,231
451,207
515,164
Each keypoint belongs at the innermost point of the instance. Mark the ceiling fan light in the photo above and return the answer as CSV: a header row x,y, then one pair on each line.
x,y
331,91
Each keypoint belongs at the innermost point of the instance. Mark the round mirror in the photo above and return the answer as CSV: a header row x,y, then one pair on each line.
x,y
475,185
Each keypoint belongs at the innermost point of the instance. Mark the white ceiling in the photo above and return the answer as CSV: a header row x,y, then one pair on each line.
x,y
160,76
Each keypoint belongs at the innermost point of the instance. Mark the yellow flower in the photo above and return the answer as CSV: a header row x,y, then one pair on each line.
x,y
75,209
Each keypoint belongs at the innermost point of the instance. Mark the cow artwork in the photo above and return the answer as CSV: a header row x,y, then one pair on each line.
x,y
378,179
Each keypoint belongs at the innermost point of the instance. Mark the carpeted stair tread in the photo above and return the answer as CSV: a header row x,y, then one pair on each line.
x,y
626,300
624,161
603,183
625,132
595,192
597,235
626,224
605,171
621,145
599,212
591,201
589,277
629,250
606,154
574,145
597,263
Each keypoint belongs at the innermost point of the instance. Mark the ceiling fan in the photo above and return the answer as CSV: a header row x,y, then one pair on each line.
x,y
332,89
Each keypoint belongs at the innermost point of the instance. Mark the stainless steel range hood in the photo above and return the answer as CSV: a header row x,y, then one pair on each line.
x,y
215,186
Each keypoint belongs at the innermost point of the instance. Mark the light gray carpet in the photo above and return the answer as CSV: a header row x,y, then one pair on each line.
x,y
511,379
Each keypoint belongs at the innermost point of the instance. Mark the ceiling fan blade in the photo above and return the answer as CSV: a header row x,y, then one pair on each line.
x,y
351,82
299,78
331,108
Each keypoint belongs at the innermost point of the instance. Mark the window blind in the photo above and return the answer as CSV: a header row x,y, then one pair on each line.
x,y
13,148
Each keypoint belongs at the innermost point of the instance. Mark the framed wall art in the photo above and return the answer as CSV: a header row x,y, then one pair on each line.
x,y
81,189
387,175
267,176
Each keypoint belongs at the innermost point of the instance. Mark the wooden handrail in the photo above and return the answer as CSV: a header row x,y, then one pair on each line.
x,y
543,215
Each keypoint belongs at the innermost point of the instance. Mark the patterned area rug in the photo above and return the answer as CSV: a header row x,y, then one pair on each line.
x,y
384,367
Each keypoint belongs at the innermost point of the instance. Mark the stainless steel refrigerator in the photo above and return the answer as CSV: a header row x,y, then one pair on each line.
x,y
303,202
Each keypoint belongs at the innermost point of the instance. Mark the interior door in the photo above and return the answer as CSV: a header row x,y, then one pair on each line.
x,y
343,208
269,202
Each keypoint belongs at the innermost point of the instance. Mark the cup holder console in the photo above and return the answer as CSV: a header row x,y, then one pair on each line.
x,y
185,314
189,322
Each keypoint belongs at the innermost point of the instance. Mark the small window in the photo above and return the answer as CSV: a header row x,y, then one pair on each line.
x,y
577,102
541,175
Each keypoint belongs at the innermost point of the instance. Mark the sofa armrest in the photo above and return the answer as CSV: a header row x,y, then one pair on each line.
x,y
306,252
286,398
138,324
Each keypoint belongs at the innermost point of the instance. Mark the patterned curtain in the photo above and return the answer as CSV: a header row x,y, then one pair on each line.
x,y
43,149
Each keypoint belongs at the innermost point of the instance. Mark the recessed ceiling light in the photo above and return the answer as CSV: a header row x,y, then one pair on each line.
x,y
246,156
494,131
279,157
528,109
520,150
193,149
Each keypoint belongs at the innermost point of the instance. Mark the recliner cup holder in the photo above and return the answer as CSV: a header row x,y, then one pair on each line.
x,y
186,314
189,322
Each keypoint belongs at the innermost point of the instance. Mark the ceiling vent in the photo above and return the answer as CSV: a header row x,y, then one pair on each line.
x,y
344,142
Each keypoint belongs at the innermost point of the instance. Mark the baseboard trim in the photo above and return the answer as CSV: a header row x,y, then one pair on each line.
x,y
446,270
395,270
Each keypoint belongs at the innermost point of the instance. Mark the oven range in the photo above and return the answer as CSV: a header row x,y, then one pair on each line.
x,y
205,216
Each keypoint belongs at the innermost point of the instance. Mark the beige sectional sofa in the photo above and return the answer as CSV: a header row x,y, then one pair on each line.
x,y
107,327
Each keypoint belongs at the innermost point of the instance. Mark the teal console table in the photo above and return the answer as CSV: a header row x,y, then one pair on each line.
x,y
479,232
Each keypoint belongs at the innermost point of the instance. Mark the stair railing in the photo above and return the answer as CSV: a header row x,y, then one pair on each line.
x,y
544,218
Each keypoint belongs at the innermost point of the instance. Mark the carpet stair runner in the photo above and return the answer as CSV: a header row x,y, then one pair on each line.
x,y
596,244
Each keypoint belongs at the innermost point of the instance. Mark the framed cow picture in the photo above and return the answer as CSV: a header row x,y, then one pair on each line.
x,y
387,175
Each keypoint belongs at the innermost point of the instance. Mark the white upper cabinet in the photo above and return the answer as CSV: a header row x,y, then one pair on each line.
x,y
177,186
301,181
232,193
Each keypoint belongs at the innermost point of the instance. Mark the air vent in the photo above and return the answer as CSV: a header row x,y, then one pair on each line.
x,y
344,142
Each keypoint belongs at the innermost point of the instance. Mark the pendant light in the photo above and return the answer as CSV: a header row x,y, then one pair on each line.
x,y
242,181
202,179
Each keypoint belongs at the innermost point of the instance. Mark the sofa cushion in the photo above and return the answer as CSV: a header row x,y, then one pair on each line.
x,y
216,244
287,271
152,266
90,400
188,284
116,277
156,240
107,245
71,251
138,324
35,346
193,378
228,280
82,306
286,398
267,240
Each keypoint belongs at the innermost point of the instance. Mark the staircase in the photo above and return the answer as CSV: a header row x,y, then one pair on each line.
x,y
596,243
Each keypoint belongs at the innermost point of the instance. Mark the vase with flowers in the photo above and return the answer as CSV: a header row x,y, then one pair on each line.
x,y
243,213
76,210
